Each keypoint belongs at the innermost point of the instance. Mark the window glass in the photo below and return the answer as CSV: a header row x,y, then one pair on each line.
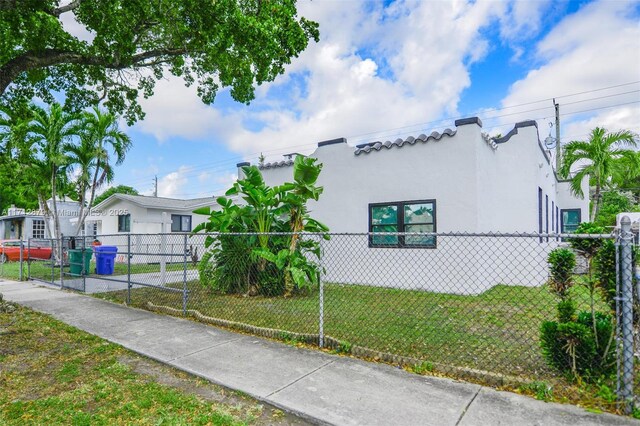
x,y
385,239
570,220
419,240
186,223
384,215
38,228
175,223
418,213
124,223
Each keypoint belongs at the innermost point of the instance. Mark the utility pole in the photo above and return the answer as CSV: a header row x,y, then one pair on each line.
x,y
558,148
155,186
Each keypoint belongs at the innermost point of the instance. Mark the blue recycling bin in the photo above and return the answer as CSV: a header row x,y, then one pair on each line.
x,y
105,259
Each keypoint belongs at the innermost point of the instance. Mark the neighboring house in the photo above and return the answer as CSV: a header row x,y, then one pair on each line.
x,y
139,214
144,218
19,223
456,181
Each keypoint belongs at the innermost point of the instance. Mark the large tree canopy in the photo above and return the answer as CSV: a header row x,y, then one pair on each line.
x,y
212,43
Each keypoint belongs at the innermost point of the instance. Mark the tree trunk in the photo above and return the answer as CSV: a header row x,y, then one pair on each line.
x,y
84,213
56,219
595,205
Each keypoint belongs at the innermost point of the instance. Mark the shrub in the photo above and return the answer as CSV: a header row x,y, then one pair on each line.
x,y
579,345
571,346
604,265
566,310
263,263
561,261
588,247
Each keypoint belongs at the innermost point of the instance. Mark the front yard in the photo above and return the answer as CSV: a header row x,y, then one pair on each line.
x,y
496,331
491,338
51,373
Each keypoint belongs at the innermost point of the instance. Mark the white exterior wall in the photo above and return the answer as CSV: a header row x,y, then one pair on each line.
x,y
146,223
68,212
477,189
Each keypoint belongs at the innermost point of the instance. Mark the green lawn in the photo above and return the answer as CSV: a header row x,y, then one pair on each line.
x,y
52,374
495,331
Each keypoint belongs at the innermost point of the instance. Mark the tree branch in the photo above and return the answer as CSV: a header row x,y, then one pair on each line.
x,y
50,57
63,9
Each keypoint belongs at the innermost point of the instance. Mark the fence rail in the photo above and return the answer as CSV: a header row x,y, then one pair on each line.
x,y
466,304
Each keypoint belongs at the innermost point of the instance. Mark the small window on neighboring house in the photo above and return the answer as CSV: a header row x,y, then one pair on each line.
x,y
38,228
407,216
124,223
94,229
180,223
571,218
546,216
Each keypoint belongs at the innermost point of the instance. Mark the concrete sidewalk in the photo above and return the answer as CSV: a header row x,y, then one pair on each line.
x,y
323,388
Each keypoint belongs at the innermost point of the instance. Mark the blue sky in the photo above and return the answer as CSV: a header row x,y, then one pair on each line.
x,y
390,69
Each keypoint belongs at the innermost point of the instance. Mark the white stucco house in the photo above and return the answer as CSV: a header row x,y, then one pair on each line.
x,y
19,223
139,220
139,214
457,180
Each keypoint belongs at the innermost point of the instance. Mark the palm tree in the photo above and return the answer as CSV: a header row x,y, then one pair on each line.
x,y
99,137
604,158
49,132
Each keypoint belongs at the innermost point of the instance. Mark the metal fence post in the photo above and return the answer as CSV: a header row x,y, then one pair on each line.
x,y
321,301
61,252
28,259
128,269
626,300
21,259
84,269
52,258
184,278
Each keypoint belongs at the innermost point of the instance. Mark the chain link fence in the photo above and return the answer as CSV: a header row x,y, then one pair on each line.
x,y
485,307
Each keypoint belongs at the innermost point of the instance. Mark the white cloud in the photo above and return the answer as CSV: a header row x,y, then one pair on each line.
x,y
374,69
173,184
596,47
176,110
523,19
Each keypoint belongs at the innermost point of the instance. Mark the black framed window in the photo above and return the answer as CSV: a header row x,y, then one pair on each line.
x,y
540,212
403,216
570,219
553,222
180,223
546,214
124,223
38,228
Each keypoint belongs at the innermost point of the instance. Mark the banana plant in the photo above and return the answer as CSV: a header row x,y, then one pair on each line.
x,y
268,209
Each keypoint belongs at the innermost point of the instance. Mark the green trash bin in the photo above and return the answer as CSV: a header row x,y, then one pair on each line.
x,y
75,261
